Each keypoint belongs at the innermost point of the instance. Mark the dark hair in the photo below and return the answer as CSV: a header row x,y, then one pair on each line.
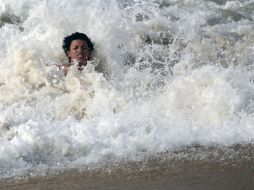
x,y
76,36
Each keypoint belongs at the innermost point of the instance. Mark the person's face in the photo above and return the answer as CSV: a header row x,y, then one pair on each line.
x,y
78,51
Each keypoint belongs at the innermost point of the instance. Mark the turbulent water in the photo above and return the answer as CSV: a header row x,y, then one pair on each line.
x,y
165,74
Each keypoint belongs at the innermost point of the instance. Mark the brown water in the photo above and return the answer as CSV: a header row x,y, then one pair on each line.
x,y
192,168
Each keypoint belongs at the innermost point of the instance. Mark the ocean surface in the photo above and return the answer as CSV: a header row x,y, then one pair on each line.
x,y
166,75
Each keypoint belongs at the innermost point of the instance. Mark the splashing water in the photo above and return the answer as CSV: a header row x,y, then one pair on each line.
x,y
165,75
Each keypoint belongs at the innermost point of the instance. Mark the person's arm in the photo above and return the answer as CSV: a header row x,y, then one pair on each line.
x,y
65,68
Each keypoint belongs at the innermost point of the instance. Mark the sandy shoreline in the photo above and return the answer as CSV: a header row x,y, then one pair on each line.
x,y
192,168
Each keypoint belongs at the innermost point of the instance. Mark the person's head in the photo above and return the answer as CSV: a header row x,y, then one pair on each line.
x,y
77,47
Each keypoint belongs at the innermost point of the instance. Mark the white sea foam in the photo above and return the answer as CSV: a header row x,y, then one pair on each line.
x,y
171,74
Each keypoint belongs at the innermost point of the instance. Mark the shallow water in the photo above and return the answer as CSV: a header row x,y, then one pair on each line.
x,y
191,168
165,75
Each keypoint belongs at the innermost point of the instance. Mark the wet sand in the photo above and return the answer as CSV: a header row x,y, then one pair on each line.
x,y
192,168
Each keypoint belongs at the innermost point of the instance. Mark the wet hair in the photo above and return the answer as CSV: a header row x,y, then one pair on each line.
x,y
76,36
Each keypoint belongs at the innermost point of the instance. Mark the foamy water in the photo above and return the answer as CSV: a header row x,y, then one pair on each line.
x,y
165,75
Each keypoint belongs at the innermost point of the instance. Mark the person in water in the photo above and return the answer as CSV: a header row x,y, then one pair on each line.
x,y
78,48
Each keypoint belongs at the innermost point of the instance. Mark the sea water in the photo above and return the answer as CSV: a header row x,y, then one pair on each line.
x,y
165,74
